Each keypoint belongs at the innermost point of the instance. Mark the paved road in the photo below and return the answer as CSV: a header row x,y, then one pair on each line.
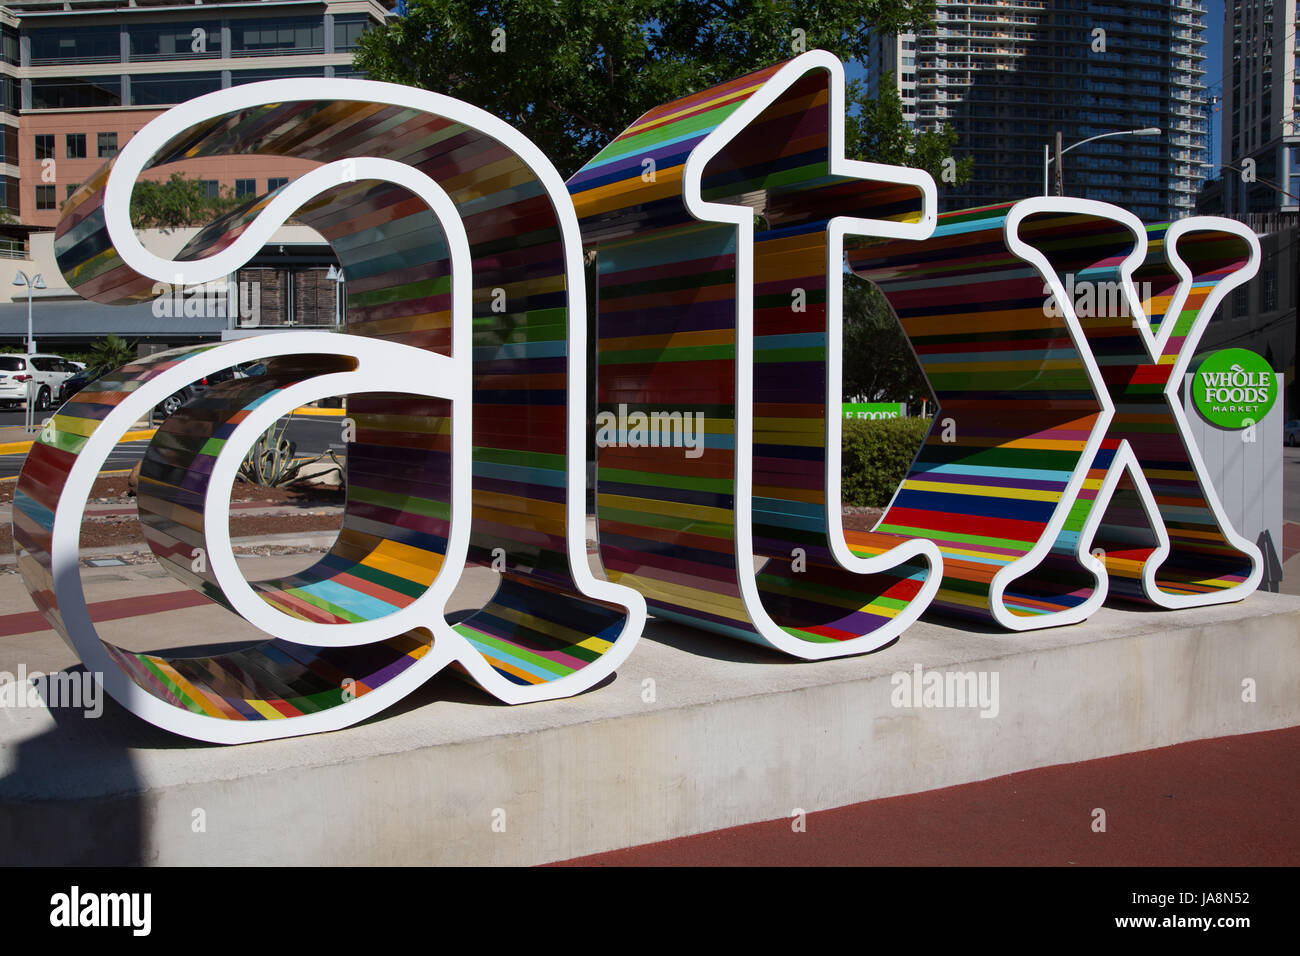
x,y
1291,484
314,436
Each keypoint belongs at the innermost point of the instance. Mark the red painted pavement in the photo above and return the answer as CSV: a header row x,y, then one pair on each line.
x,y
1227,801
29,622
1290,539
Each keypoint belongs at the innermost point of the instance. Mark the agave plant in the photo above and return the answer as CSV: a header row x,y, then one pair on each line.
x,y
271,463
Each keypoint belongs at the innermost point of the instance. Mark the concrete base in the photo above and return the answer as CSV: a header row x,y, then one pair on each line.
x,y
694,733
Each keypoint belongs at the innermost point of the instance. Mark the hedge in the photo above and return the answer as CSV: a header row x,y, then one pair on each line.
x,y
876,454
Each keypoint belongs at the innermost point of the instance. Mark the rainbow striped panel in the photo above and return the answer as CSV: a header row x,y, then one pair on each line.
x,y
1202,559
667,348
538,627
1016,408
269,680
1022,444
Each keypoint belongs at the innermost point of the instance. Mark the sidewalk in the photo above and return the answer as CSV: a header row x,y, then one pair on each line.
x,y
1227,801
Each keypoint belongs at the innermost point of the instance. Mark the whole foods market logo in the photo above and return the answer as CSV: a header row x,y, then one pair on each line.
x,y
1234,388
854,411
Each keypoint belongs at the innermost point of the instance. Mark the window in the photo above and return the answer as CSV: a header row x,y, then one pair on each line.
x,y
211,188
1268,294
72,93
347,30
10,199
162,89
44,145
238,77
275,183
281,35
156,41
72,188
107,145
76,145
45,197
9,45
245,187
1240,303
76,45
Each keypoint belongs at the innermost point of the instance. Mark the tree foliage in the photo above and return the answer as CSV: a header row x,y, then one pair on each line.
x,y
876,456
175,203
573,74
111,353
879,364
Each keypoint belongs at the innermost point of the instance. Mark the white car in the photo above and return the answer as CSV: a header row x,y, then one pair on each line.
x,y
47,371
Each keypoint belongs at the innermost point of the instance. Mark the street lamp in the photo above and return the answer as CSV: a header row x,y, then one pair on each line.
x,y
35,282
335,275
1047,149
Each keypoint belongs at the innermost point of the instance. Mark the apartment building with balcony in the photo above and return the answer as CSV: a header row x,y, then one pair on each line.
x,y
1260,150
78,79
82,76
1007,75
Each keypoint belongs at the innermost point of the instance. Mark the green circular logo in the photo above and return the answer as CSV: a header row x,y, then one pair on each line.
x,y
1234,388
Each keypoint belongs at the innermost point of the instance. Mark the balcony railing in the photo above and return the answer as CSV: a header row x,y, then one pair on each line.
x,y
13,249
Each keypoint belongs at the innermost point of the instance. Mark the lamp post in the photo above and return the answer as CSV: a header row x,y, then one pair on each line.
x,y
34,282
335,275
1047,151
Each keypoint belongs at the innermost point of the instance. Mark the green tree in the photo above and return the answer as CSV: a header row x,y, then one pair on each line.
x,y
175,203
573,74
111,353
879,364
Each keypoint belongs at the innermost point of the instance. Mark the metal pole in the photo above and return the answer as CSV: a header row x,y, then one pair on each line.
x,y
31,346
1060,167
1047,162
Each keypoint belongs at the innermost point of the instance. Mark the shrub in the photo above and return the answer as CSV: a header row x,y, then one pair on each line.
x,y
876,455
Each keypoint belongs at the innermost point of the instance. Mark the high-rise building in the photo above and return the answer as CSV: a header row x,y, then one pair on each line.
x,y
1261,146
79,77
1008,75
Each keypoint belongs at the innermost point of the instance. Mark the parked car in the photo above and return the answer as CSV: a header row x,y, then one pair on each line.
x,y
76,383
172,403
49,372
1291,432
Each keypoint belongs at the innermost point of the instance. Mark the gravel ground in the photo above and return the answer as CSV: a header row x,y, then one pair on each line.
x,y
317,511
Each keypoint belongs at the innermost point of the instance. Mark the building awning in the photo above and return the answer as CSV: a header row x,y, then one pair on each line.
x,y
80,319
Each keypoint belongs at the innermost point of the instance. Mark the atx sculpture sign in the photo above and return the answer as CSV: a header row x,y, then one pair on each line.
x,y
1058,469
